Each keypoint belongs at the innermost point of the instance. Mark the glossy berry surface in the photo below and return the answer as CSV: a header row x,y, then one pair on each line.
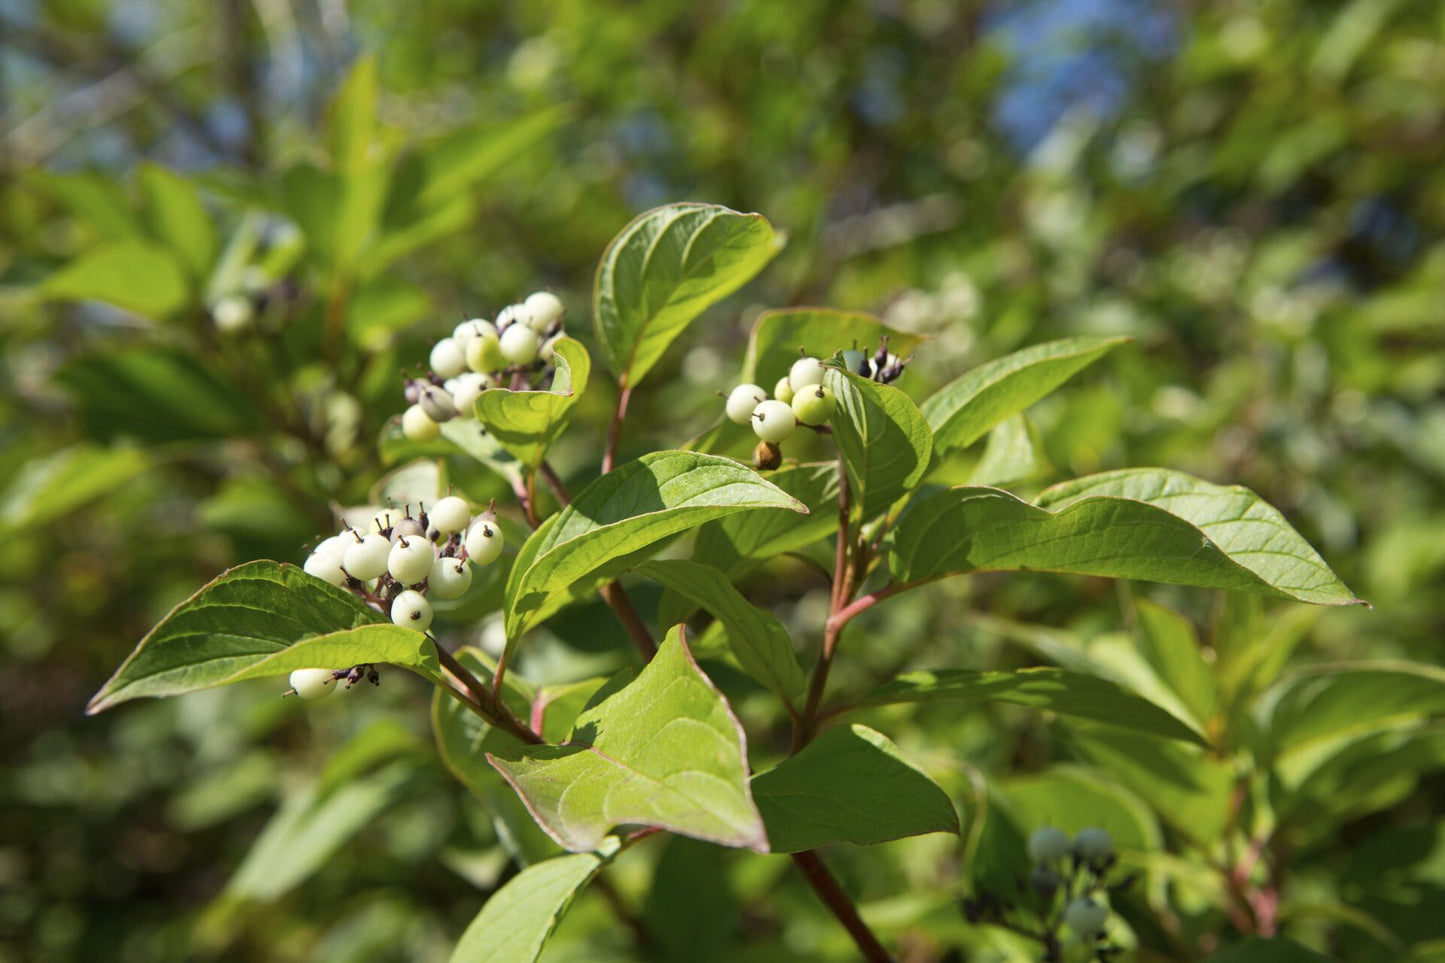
x,y
804,372
484,352
312,684
417,425
447,358
774,421
410,560
411,610
451,514
783,390
742,401
484,541
544,308
520,344
366,559
326,566
814,406
450,578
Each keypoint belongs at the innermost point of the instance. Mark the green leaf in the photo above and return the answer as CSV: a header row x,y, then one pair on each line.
x,y
1072,798
1241,524
516,922
756,638
884,441
964,410
1277,949
351,121
663,270
261,619
621,514
527,423
768,533
1249,547
1330,702
665,751
177,218
135,275
45,489
157,395
463,738
850,785
382,307
1011,454
778,336
93,197
1067,693
1168,642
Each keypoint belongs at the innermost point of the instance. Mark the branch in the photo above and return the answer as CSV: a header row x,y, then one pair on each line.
x,y
483,701
616,598
614,430
840,905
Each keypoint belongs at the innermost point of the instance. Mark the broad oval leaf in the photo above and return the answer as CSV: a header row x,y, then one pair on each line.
x,y
1241,524
1067,693
779,335
527,423
621,514
138,276
261,619
850,785
663,270
1331,702
883,438
984,529
664,751
756,637
178,219
963,411
516,922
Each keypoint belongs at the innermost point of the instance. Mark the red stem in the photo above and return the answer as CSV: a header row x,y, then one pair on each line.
x,y
841,906
614,430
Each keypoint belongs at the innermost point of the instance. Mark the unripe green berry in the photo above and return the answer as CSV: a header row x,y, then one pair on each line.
x,y
743,401
450,578
804,372
783,390
447,358
484,352
451,514
312,684
1047,844
520,344
410,560
325,566
543,308
814,406
411,610
484,541
1086,917
1094,844
417,425
366,559
774,421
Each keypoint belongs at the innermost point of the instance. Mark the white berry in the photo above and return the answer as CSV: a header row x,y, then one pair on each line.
x,y
410,560
367,558
325,566
520,344
450,578
783,390
1085,917
417,425
484,541
447,358
1093,843
451,514
312,684
1048,843
804,372
232,313
743,400
472,328
469,388
411,610
544,308
773,421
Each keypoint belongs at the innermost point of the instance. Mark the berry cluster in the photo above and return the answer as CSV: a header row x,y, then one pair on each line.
x,y
512,352
801,398
1068,876
396,564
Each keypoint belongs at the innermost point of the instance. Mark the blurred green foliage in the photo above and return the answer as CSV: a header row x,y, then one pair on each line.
x,y
1261,210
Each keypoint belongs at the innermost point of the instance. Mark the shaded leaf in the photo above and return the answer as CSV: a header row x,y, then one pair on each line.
x,y
177,218
755,637
884,441
90,195
663,270
1010,455
528,423
850,785
621,514
1277,949
138,276
1067,693
964,410
1329,702
665,751
1071,798
261,619
1168,642
351,118
47,488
